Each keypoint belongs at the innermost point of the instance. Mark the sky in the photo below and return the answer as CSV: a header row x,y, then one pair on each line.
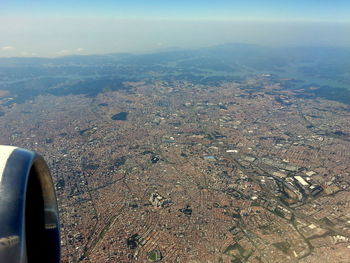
x,y
57,28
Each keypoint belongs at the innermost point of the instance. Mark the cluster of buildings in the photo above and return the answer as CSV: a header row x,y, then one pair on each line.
x,y
228,173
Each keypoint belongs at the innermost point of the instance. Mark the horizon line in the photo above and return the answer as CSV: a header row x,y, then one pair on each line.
x,y
173,49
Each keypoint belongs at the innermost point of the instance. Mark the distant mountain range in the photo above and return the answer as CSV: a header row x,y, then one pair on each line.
x,y
25,78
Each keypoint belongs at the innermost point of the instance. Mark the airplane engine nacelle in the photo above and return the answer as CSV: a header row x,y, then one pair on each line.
x,y
29,223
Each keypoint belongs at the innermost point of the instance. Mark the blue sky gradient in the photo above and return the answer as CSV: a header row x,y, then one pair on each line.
x,y
56,28
334,10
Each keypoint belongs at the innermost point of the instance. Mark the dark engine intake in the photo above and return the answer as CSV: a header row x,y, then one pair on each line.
x,y
29,222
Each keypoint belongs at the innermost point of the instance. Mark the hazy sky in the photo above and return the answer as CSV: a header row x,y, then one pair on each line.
x,y
56,28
